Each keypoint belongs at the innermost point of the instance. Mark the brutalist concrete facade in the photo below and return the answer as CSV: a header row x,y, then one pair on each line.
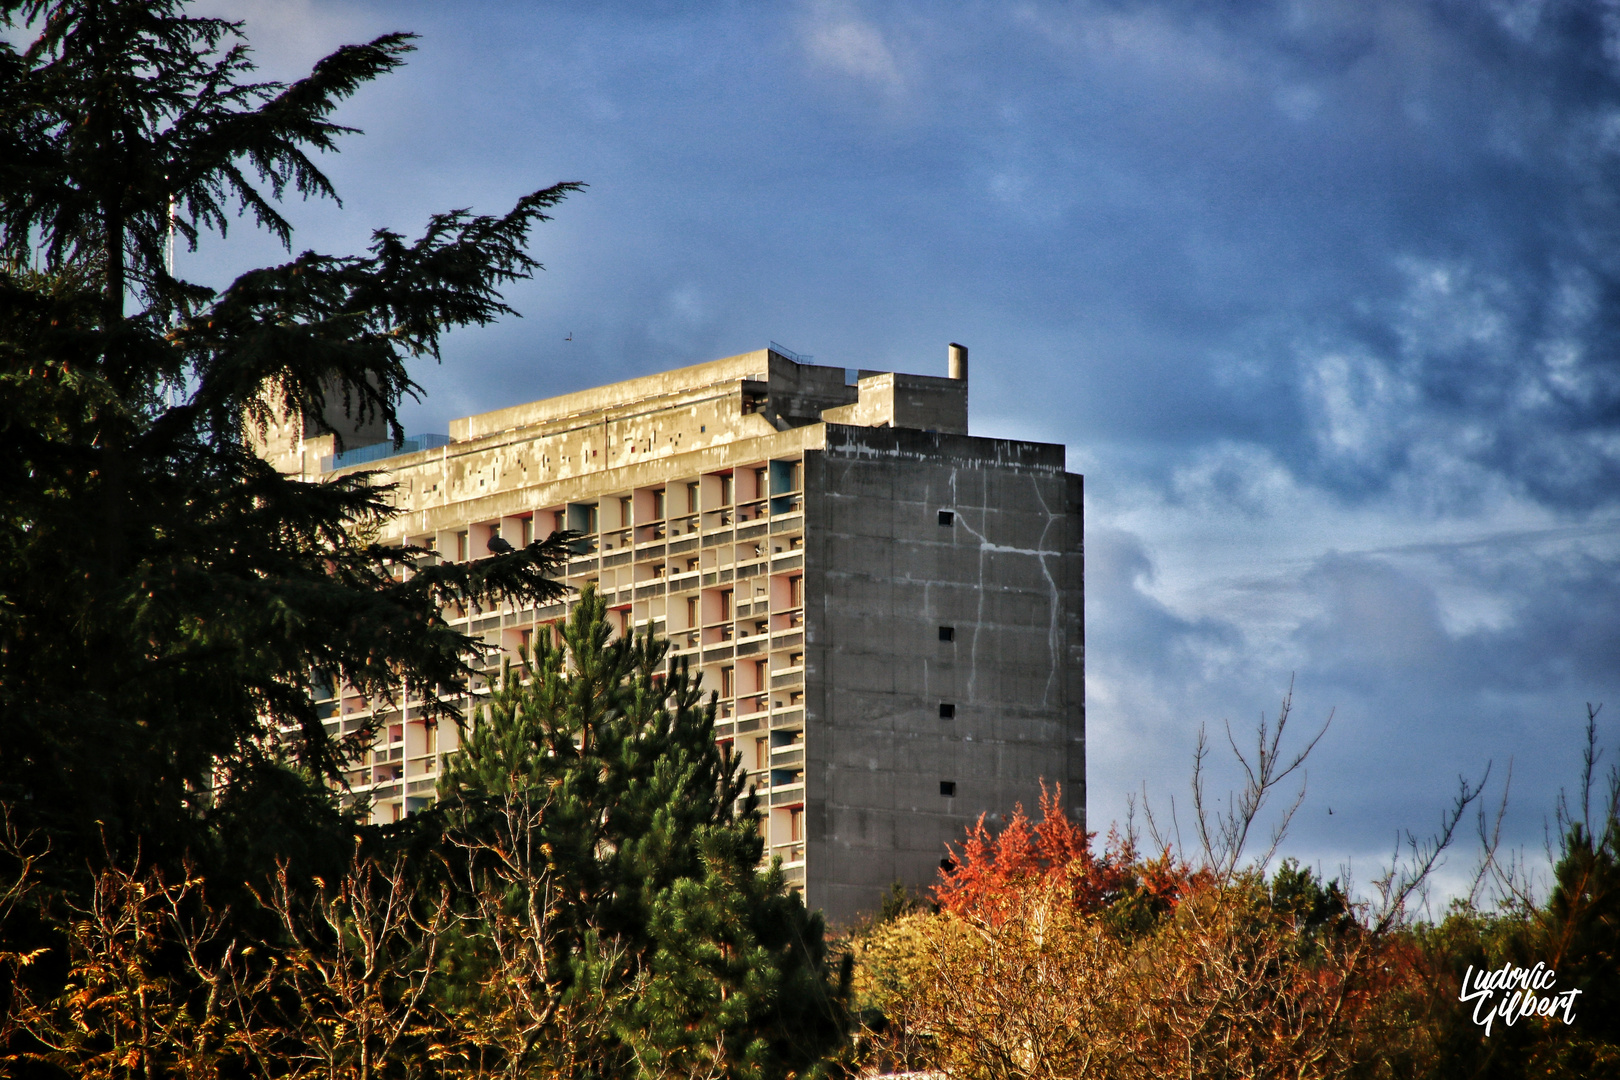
x,y
890,610
913,537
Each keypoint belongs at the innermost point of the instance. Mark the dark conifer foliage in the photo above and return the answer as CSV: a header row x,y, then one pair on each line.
x,y
595,783
166,597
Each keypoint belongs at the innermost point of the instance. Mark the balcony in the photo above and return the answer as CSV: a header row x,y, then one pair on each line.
x,y
787,716
788,795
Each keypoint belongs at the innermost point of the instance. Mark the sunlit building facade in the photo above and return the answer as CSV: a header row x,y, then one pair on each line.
x,y
889,609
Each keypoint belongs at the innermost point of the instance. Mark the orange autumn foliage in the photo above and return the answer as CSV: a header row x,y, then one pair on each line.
x,y
992,875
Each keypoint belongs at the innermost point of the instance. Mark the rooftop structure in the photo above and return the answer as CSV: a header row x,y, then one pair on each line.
x,y
890,609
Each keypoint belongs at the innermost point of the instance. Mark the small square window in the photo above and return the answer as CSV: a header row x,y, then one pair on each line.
x,y
947,788
947,517
947,633
947,710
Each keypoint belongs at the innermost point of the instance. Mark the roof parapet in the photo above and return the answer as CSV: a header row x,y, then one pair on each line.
x,y
895,399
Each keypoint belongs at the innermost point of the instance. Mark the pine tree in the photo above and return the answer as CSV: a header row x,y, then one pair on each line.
x,y
168,600
646,846
1581,923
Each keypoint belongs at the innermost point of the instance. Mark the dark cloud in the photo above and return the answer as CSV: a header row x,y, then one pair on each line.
x,y
1128,622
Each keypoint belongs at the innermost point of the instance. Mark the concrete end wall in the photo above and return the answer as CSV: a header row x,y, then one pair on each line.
x,y
1005,575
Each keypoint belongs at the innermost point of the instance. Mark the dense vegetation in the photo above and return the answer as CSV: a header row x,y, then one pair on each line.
x,y
584,901
1042,958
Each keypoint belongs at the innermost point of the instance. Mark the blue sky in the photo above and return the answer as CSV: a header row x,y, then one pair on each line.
x,y
1321,296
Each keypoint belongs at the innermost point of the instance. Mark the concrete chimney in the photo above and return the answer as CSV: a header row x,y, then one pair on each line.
x,y
958,361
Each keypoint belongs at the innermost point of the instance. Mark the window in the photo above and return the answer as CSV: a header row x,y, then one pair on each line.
x,y
691,611
728,682
947,517
624,510
526,640
761,674
726,596
762,752
526,531
725,491
796,591
947,788
691,498
762,483
431,739
658,504
796,825
461,546
947,633
947,710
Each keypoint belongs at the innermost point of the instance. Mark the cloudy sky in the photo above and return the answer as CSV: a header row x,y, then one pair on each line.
x,y
1320,295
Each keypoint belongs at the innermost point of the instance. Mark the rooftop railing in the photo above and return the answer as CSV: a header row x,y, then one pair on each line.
x,y
360,455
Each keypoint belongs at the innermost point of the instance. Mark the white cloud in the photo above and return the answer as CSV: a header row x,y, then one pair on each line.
x,y
1360,405
1232,477
1451,305
1151,42
835,36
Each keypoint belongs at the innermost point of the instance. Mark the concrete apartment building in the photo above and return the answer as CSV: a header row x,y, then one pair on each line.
x,y
890,609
